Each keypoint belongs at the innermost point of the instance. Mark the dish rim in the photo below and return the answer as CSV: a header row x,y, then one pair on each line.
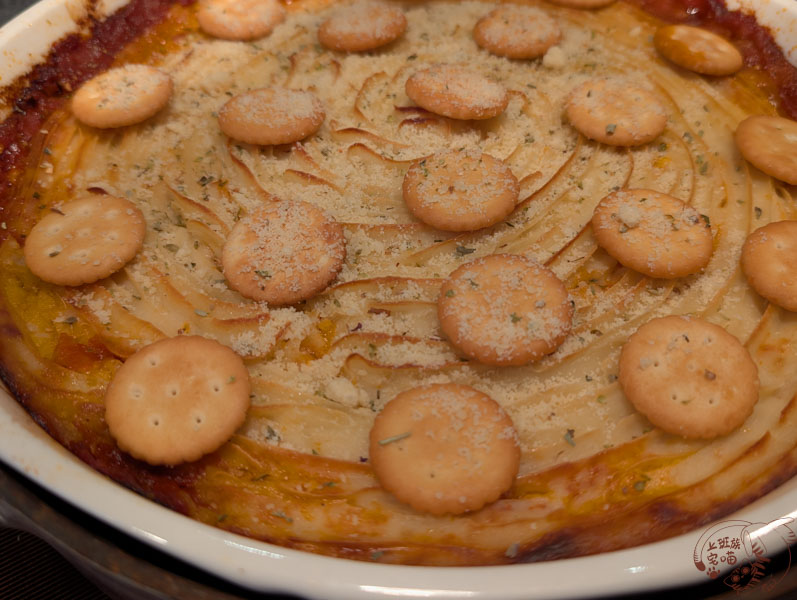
x,y
26,448
237,559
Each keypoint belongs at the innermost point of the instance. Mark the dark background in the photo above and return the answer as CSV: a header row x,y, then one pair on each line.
x,y
21,554
9,8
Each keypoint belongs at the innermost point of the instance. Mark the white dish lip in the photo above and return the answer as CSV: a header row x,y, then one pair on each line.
x,y
268,568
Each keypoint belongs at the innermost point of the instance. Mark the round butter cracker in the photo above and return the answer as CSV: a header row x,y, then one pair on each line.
x,y
85,240
504,310
363,26
616,112
689,377
122,96
271,116
283,253
177,399
769,261
460,190
770,143
698,50
444,449
516,31
653,233
456,92
239,19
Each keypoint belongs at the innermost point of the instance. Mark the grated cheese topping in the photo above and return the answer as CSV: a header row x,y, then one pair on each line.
x,y
194,185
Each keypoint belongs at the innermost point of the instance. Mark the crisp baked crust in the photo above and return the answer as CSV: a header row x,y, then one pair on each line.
x,y
594,474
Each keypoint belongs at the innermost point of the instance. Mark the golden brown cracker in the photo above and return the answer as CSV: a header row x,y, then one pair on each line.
x,y
270,116
362,26
460,190
689,377
239,19
85,240
177,400
653,233
504,309
517,31
698,50
616,112
122,96
444,449
456,92
769,261
770,143
283,253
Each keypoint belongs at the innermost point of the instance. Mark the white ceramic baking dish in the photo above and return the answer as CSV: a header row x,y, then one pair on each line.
x,y
26,448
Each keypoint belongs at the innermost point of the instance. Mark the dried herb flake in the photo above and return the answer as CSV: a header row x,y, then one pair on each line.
x,y
394,438
569,437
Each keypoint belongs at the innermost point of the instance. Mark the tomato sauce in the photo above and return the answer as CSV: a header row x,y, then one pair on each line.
x,y
754,41
72,60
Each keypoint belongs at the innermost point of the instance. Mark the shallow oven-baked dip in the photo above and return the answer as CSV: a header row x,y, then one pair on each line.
x,y
316,241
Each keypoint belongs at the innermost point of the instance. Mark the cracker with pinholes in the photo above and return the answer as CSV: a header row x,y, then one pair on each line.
x,y
616,112
653,233
689,377
271,116
516,31
362,26
770,143
444,449
456,92
177,399
122,96
698,50
85,240
460,190
504,309
283,253
769,261
239,19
